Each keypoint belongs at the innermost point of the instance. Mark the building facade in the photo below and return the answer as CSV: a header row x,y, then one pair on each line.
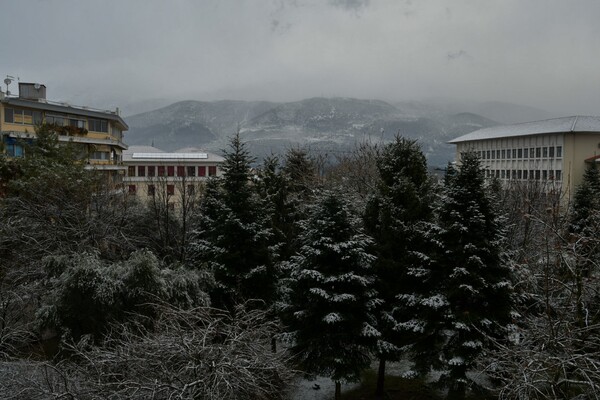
x,y
552,153
97,134
152,172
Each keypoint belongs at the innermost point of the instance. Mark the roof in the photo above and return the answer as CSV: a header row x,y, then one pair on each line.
x,y
555,125
153,154
65,108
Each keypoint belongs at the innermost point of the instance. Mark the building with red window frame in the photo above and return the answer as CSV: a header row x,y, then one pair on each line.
x,y
152,172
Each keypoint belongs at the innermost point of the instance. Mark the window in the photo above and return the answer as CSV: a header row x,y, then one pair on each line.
x,y
525,173
497,173
531,152
520,153
537,175
151,170
131,170
558,151
77,123
503,153
151,190
14,150
514,174
551,151
544,175
9,115
514,153
25,117
519,174
170,190
557,174
493,155
191,171
503,174
538,152
508,154
100,155
55,119
132,189
141,170
202,171
531,174
526,153
161,170
498,154
212,170
98,125
545,152
180,170
170,170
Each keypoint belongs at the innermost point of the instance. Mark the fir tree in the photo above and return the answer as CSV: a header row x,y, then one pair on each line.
x,y
332,295
478,284
400,219
232,235
586,202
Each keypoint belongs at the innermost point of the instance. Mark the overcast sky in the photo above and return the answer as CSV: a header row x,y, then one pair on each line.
x,y
542,53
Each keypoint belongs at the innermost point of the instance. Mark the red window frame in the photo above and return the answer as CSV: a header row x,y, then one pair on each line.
x,y
212,170
202,171
170,170
180,170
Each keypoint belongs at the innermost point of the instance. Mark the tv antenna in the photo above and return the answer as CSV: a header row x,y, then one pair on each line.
x,y
8,81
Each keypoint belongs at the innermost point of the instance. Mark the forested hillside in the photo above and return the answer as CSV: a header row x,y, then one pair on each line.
x,y
328,125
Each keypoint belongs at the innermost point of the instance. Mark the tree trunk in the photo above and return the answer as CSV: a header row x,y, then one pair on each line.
x,y
380,379
338,390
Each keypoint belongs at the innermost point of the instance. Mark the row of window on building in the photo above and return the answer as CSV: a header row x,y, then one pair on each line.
x,y
524,174
515,154
169,170
31,117
151,190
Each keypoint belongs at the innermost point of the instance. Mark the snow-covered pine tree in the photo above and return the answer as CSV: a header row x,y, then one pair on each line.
x,y
232,234
586,201
478,284
400,219
330,314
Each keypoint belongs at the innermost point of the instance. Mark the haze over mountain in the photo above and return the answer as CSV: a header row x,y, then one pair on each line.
x,y
324,125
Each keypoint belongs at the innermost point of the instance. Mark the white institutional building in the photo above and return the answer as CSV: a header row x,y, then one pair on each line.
x,y
553,152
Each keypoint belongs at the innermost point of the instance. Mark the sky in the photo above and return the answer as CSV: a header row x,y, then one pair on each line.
x,y
106,53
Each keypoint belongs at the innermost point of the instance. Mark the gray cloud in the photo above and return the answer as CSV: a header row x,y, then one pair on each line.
x,y
107,52
453,55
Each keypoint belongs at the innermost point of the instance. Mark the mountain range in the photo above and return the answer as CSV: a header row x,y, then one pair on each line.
x,y
323,125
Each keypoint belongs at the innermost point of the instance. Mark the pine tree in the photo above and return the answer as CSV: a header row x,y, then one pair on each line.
x,y
586,202
478,284
232,235
332,295
400,219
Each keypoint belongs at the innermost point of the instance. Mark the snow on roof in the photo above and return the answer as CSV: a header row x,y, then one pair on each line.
x,y
149,153
555,125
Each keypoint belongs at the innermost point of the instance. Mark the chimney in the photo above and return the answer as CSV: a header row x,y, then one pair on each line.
x,y
32,91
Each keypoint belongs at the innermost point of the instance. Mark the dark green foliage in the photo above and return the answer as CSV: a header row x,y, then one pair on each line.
x,y
329,314
85,294
301,171
232,235
586,201
400,218
477,283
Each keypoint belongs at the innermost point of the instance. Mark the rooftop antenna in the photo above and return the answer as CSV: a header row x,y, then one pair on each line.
x,y
7,82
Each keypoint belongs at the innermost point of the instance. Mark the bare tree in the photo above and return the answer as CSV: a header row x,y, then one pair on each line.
x,y
189,354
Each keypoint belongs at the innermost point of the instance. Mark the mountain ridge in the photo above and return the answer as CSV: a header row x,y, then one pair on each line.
x,y
321,123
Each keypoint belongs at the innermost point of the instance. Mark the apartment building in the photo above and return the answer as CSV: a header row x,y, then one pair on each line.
x,y
553,153
97,134
151,171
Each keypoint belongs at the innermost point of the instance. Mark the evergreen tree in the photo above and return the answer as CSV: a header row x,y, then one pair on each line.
x,y
400,219
301,171
477,283
232,234
332,295
586,202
